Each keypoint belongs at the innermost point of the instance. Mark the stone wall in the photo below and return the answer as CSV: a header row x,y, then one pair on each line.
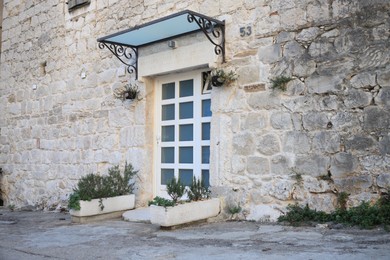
x,y
327,133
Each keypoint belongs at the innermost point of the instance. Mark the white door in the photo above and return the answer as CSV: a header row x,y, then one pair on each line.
x,y
183,118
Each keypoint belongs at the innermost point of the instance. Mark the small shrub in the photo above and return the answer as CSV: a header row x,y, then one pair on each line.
x,y
198,191
93,186
364,215
158,201
280,82
342,199
175,189
297,215
235,209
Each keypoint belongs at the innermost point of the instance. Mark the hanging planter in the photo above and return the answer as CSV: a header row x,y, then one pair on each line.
x,y
127,92
220,78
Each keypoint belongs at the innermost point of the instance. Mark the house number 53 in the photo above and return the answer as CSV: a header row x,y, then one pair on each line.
x,y
245,31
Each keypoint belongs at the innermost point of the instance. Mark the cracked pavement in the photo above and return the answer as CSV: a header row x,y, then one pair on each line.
x,y
49,235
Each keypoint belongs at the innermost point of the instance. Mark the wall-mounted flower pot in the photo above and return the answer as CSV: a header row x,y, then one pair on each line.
x,y
216,81
113,207
184,213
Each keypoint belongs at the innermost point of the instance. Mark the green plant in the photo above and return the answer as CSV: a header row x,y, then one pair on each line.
x,y
234,209
198,191
175,189
280,82
342,199
219,77
74,201
363,215
93,186
158,201
129,91
11,207
298,177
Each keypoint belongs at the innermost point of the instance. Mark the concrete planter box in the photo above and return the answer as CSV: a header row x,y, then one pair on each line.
x,y
184,213
113,207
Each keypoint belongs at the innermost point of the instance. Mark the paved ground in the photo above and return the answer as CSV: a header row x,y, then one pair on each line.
x,y
47,235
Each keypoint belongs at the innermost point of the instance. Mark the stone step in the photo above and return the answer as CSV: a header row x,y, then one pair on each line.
x,y
137,215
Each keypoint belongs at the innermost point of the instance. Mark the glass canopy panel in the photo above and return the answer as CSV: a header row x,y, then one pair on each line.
x,y
154,32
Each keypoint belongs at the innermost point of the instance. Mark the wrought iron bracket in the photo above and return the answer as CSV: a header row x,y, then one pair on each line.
x,y
215,32
126,54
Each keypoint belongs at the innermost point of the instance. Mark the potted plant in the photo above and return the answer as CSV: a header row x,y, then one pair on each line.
x,y
219,77
128,91
101,197
199,206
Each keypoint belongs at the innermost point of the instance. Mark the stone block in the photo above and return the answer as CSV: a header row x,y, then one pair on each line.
x,y
383,180
295,87
308,35
345,120
357,99
285,36
280,188
243,144
304,66
384,145
257,165
248,74
316,186
292,49
324,84
314,165
270,54
268,144
264,213
326,141
363,80
314,120
329,102
384,78
296,142
359,143
281,164
263,101
383,97
255,121
238,164
376,118
322,202
354,184
119,118
281,120
343,164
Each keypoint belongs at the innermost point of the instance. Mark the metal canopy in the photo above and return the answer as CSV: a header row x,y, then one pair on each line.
x,y
124,45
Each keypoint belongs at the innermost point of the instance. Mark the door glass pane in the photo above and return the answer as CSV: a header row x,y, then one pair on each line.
x,y
186,155
206,178
168,112
168,133
186,177
206,108
205,131
168,91
186,110
167,155
205,154
186,133
166,176
186,88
